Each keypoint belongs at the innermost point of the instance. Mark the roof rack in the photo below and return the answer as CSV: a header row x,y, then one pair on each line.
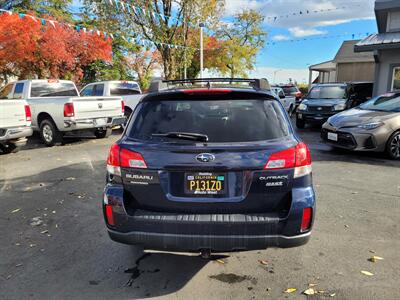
x,y
256,84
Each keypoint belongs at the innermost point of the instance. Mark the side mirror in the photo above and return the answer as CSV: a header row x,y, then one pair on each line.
x,y
282,95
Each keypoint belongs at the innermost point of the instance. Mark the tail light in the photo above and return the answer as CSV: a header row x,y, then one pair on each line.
x,y
297,157
28,114
109,214
69,110
119,157
123,106
306,219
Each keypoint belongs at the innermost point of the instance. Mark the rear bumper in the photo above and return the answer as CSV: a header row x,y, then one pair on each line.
x,y
216,243
217,232
15,134
94,123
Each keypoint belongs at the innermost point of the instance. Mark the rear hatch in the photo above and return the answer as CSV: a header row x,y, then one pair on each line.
x,y
222,173
97,107
12,113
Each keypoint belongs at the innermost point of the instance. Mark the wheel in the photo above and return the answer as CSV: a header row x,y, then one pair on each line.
x,y
300,123
49,133
102,134
9,148
393,146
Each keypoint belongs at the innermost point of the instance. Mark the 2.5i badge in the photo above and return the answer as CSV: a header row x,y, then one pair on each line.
x,y
275,180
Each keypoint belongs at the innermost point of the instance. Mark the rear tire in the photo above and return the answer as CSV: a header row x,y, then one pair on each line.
x,y
49,133
102,134
300,123
9,148
393,146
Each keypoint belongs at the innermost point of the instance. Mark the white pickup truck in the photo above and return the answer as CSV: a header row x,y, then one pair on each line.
x,y
129,91
15,120
58,110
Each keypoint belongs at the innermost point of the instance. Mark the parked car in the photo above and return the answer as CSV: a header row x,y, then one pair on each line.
x,y
372,126
129,91
209,169
288,102
57,109
292,90
326,100
15,120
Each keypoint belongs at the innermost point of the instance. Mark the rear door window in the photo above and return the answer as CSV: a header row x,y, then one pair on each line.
x,y
53,89
98,90
223,121
18,91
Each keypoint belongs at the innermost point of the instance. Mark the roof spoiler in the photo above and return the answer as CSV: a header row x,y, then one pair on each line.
x,y
256,84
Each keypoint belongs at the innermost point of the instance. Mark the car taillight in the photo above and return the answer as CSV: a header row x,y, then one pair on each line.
x,y
109,214
123,106
69,110
306,219
297,157
119,157
28,114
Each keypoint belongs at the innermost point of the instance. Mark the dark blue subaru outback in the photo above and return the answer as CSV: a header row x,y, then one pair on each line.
x,y
209,165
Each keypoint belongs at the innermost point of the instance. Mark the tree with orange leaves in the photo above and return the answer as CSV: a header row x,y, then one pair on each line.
x,y
29,49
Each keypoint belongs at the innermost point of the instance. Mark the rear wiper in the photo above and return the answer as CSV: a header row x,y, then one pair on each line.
x,y
184,136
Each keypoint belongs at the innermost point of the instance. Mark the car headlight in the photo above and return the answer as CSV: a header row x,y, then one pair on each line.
x,y
369,126
341,106
302,107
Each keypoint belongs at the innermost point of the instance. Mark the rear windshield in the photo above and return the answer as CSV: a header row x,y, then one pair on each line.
x,y
328,92
53,89
124,89
223,121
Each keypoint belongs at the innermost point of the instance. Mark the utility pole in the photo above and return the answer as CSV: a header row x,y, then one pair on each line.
x,y
201,25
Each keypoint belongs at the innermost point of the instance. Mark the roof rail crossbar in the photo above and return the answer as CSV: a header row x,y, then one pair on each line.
x,y
159,85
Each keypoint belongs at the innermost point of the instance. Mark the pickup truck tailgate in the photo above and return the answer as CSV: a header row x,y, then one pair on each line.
x,y
97,107
12,113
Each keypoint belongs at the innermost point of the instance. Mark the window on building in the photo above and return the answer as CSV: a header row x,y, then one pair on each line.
x,y
393,21
396,79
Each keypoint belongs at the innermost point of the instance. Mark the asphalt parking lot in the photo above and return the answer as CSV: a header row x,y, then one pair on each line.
x,y
54,244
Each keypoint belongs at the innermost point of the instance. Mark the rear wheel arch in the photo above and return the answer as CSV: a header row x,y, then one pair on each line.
x,y
44,116
387,148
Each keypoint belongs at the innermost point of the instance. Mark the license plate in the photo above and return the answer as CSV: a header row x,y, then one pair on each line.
x,y
332,136
100,122
300,116
205,183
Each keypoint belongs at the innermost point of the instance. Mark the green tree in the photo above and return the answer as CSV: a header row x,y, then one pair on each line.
x,y
164,22
241,41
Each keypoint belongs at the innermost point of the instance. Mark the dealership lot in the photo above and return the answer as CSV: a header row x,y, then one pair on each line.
x,y
54,242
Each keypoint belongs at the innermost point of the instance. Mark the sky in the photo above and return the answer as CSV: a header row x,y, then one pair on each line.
x,y
282,59
321,33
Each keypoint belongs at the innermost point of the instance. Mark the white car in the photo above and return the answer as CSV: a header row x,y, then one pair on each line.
x,y
57,109
15,120
288,102
129,91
